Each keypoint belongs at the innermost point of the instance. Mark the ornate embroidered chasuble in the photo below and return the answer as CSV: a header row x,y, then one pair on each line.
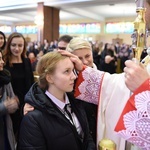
x,y
110,93
134,122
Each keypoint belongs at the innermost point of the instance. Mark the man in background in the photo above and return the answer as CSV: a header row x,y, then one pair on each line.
x,y
63,41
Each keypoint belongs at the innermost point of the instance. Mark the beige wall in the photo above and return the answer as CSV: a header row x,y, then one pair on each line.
x,y
100,37
108,37
33,37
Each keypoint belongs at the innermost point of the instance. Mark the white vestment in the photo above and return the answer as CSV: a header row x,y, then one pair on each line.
x,y
110,93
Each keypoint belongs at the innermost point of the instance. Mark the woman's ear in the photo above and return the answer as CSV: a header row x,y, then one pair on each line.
x,y
49,78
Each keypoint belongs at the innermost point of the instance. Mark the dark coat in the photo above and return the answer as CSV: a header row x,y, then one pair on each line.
x,y
46,128
110,67
5,120
91,113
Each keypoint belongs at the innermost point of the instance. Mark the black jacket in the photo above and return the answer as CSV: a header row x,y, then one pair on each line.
x,y
46,128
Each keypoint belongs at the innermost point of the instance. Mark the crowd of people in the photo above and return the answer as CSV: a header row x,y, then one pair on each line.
x,y
109,57
77,100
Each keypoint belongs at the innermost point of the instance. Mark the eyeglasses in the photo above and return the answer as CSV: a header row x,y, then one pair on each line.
x,y
62,48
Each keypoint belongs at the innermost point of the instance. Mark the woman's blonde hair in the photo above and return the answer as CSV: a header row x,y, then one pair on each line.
x,y
47,65
78,43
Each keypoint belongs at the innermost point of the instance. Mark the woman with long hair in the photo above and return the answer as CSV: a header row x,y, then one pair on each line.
x,y
21,72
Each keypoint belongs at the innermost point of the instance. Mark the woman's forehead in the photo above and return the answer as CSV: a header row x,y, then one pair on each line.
x,y
65,63
1,35
18,39
82,51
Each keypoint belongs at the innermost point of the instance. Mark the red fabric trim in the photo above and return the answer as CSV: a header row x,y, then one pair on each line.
x,y
79,81
130,105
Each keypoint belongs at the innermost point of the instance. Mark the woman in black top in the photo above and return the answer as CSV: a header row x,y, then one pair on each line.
x,y
21,72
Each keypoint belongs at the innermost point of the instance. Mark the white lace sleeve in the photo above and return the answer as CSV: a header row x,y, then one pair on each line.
x,y
89,86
